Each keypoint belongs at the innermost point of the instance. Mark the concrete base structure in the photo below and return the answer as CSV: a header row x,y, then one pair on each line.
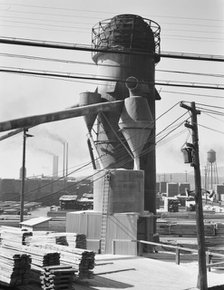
x,y
125,191
123,230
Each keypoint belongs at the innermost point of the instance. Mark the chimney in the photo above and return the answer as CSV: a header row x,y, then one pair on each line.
x,y
55,166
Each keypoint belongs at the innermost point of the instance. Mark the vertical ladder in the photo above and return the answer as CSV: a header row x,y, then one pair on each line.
x,y
103,233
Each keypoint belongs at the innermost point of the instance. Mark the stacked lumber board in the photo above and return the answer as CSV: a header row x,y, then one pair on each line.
x,y
208,215
184,228
80,259
50,249
220,229
57,277
54,277
40,257
15,268
68,239
172,226
14,234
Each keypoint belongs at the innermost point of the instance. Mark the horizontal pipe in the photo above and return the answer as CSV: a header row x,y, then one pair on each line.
x,y
10,134
75,46
60,115
69,46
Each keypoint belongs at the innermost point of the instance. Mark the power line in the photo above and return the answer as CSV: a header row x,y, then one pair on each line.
x,y
101,11
214,130
48,25
88,24
211,106
68,61
52,14
73,46
167,111
191,56
214,117
72,76
190,73
211,111
38,58
191,94
124,161
66,45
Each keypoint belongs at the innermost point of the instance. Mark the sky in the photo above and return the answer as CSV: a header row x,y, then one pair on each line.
x,y
187,26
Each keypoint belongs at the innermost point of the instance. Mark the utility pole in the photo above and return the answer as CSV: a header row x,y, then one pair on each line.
x,y
23,177
202,273
205,184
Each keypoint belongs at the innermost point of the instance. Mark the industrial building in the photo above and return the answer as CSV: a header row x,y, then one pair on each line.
x,y
46,190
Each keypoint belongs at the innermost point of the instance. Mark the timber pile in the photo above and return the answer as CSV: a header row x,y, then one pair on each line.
x,y
220,229
169,229
14,268
68,239
57,277
40,257
184,229
16,235
81,260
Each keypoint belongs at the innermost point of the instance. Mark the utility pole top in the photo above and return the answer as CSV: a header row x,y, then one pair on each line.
x,y
202,270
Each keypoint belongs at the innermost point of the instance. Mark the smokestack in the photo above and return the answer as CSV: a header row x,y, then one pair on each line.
x,y
65,159
55,166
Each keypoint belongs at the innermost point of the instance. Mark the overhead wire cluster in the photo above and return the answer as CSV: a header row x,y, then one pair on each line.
x,y
165,135
44,17
214,112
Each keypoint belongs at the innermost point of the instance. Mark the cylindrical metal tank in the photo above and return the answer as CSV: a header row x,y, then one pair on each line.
x,y
137,44
125,191
211,156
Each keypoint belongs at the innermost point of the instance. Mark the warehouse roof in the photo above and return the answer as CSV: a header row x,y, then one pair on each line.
x,y
35,221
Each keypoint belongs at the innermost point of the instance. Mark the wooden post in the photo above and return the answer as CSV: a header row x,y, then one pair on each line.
x,y
113,247
202,271
23,176
177,256
140,249
208,260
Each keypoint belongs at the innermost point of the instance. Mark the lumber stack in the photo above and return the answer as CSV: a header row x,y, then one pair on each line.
x,y
40,257
191,229
57,277
14,234
220,229
80,259
68,239
184,228
14,268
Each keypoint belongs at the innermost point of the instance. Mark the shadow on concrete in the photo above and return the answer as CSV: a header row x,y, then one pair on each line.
x,y
114,271
98,281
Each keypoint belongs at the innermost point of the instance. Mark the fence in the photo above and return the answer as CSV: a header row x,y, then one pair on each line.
x,y
178,249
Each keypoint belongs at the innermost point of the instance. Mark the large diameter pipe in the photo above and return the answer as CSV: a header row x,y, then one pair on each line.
x,y
60,115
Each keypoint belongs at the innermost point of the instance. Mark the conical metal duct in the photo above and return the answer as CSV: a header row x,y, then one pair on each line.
x,y
89,98
136,122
